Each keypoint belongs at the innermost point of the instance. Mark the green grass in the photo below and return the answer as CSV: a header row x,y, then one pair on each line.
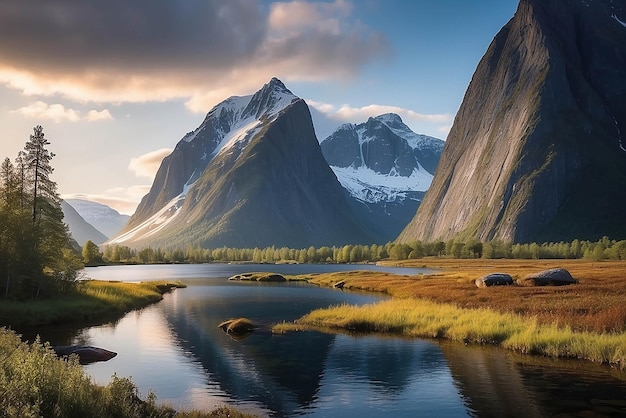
x,y
421,318
92,301
34,382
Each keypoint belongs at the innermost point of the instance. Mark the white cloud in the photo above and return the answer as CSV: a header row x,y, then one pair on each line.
x,y
54,112
146,165
59,113
445,129
96,116
361,113
350,114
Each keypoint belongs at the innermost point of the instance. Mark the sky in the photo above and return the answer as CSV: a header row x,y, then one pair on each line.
x,y
117,83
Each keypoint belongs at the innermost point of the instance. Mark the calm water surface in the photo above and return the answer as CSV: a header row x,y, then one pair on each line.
x,y
175,349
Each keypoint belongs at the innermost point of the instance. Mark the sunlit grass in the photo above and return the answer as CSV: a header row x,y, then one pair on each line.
x,y
595,304
421,318
91,301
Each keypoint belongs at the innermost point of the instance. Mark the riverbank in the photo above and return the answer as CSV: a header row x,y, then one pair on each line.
x,y
34,382
586,320
92,301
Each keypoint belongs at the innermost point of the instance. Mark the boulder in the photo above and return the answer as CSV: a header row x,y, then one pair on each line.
x,y
259,277
552,277
237,326
494,279
86,353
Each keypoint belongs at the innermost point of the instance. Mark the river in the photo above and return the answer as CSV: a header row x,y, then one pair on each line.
x,y
175,349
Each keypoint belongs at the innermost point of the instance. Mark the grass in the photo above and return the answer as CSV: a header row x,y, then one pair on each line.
x,y
34,382
586,320
92,301
419,318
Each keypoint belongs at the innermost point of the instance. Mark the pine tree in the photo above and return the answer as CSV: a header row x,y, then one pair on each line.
x,y
38,159
35,249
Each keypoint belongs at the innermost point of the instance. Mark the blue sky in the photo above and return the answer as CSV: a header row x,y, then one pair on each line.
x,y
117,84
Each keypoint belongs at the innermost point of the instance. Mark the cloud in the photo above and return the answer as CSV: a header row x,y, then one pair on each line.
x,y
54,112
59,113
137,51
146,165
348,113
445,129
96,116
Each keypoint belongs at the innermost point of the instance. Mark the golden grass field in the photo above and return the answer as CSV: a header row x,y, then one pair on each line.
x,y
586,320
597,303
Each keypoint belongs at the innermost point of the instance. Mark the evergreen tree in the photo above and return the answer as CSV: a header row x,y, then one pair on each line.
x,y
35,251
38,161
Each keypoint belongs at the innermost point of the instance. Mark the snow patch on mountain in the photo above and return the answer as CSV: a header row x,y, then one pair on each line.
x,y
240,134
362,180
156,222
238,118
369,186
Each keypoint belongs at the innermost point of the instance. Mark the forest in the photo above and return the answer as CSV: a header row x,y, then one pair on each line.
x,y
37,258
603,249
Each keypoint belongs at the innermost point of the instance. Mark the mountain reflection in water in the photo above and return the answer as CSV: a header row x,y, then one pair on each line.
x,y
176,349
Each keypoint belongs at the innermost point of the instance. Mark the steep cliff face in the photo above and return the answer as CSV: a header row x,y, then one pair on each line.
x,y
252,175
536,152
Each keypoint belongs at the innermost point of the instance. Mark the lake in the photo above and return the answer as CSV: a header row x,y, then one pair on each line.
x,y
175,349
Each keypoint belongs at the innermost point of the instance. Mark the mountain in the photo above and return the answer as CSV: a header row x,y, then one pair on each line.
x,y
104,218
251,175
80,229
537,150
385,167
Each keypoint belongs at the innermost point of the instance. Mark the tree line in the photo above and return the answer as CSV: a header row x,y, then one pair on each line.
x,y
37,258
603,249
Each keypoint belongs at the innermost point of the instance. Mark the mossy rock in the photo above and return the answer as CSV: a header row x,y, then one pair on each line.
x,y
259,277
238,326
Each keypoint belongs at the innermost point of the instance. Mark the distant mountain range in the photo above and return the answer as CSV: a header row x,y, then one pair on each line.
x,y
104,218
93,221
252,174
537,151
81,230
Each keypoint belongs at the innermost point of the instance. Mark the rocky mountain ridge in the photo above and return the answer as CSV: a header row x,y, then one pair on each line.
x,y
252,174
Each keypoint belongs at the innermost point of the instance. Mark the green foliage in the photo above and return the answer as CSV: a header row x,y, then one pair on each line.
x,y
470,248
91,253
36,256
35,383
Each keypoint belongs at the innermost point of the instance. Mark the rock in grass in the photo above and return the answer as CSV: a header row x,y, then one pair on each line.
x,y
552,277
494,279
237,326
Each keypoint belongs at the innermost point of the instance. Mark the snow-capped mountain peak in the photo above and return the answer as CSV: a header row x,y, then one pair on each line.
x,y
382,160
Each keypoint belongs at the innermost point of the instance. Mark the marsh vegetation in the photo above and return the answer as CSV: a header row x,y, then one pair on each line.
x,y
586,320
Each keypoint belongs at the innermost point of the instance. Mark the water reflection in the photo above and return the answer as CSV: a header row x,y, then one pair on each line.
x,y
499,383
176,349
